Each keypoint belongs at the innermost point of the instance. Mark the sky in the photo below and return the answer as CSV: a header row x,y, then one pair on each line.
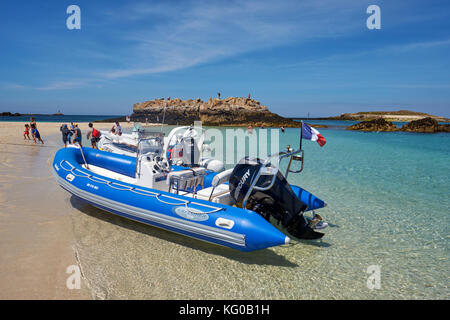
x,y
296,57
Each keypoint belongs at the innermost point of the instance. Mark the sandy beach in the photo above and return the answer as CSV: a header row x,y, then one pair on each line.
x,y
36,236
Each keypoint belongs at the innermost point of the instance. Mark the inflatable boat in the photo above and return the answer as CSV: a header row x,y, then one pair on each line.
x,y
232,208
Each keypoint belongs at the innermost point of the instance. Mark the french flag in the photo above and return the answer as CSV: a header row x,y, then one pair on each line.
x,y
310,133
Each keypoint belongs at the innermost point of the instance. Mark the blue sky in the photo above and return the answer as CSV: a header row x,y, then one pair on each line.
x,y
296,57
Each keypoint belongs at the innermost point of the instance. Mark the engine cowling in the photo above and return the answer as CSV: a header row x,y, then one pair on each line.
x,y
279,202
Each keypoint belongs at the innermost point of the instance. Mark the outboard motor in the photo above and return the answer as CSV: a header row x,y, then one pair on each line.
x,y
279,202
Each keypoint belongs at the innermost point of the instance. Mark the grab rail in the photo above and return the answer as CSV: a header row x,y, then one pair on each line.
x,y
139,191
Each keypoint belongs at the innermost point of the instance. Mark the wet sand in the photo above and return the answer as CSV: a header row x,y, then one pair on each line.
x,y
36,233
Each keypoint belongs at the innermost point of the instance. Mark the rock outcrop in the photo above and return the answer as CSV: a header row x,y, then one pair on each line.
x,y
400,115
426,125
10,114
379,124
216,112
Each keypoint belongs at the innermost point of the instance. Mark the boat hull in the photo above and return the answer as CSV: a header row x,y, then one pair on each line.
x,y
220,224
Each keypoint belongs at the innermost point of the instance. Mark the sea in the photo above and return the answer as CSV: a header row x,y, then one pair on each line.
x,y
388,210
62,118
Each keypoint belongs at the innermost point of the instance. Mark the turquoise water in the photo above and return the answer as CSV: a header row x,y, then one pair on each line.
x,y
388,205
388,196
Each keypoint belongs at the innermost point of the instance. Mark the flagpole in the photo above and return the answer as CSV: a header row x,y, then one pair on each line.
x,y
301,135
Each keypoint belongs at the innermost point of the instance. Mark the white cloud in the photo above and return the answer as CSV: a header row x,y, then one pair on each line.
x,y
195,32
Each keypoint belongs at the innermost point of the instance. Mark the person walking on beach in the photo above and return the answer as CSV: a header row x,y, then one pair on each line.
x,y
95,135
35,133
65,134
26,133
77,135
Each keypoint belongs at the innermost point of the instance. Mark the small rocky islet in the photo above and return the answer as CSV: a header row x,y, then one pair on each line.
x,y
231,111
425,125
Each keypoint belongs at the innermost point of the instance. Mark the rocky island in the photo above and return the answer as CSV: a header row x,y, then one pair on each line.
x,y
400,115
425,125
379,124
232,111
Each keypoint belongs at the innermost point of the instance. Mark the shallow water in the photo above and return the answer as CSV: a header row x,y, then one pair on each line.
x,y
388,205
35,225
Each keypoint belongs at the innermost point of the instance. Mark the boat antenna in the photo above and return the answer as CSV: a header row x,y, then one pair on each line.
x,y
164,116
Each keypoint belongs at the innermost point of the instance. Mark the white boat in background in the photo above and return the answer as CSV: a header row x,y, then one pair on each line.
x,y
183,146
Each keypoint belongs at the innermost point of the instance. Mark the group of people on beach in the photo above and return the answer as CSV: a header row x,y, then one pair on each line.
x,y
34,131
250,128
67,134
93,134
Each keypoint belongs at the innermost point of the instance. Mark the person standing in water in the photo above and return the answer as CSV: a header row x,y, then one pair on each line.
x,y
35,133
77,135
95,135
26,133
33,125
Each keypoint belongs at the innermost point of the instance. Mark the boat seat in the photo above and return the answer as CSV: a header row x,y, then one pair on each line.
x,y
219,191
186,180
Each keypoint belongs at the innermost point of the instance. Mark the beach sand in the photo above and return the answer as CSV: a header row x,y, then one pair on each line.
x,y
36,233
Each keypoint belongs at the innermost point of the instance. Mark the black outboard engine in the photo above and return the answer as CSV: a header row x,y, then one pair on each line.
x,y
280,201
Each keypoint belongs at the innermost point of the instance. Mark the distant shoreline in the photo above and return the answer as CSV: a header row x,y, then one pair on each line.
x,y
57,118
397,116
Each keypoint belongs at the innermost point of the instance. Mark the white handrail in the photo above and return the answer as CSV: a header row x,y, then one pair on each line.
x,y
139,191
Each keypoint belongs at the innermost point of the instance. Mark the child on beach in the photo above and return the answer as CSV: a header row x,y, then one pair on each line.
x,y
65,134
35,133
26,133
77,135
95,135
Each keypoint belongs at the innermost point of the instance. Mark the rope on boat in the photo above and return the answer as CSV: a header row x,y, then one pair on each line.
x,y
122,187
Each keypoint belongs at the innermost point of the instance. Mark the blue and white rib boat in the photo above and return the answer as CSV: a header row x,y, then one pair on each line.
x,y
232,208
